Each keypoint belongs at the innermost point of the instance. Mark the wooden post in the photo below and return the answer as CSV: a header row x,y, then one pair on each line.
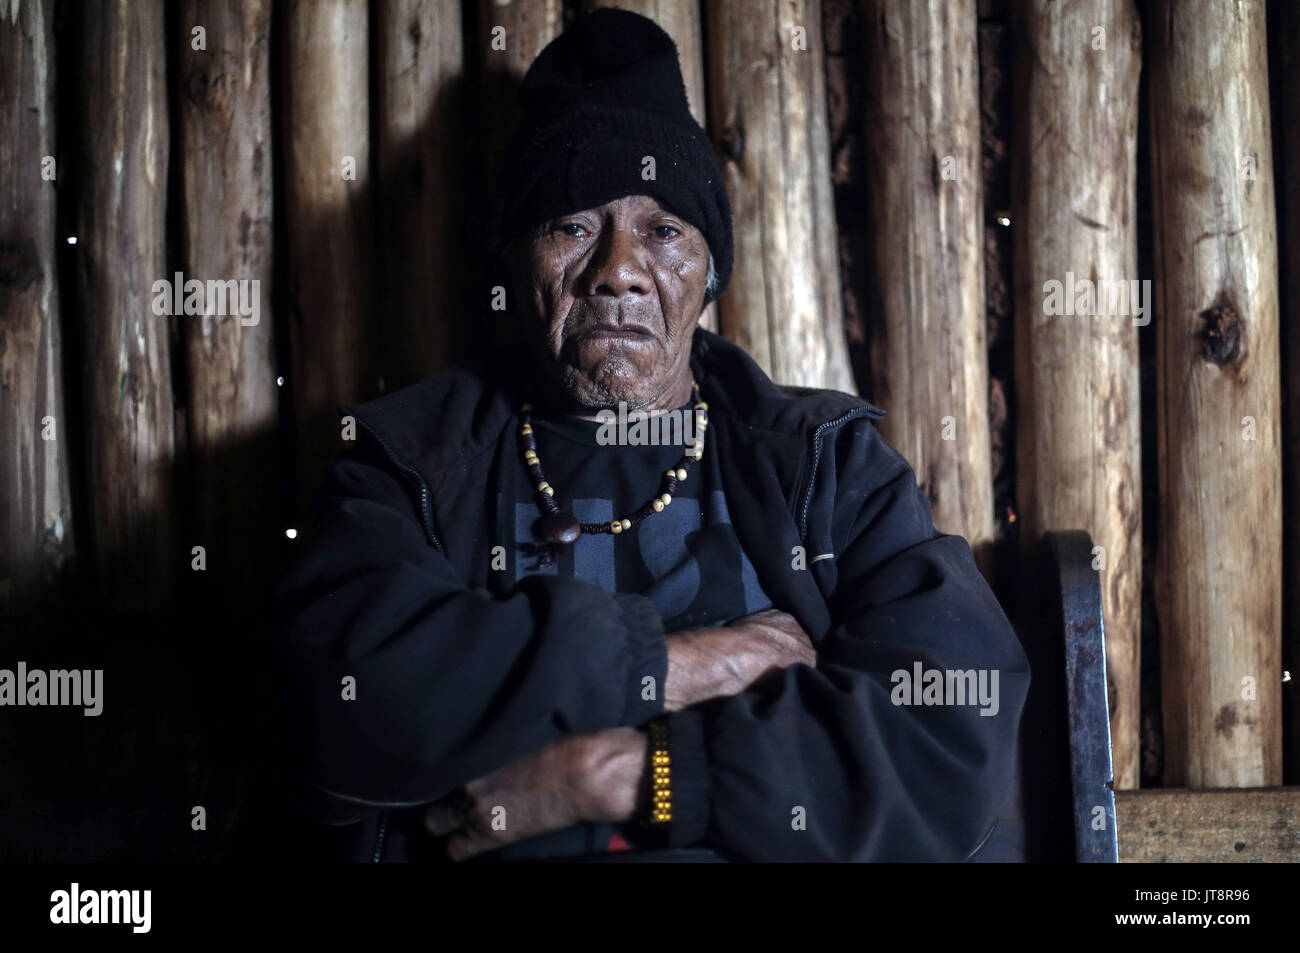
x,y
511,34
1077,298
1219,577
1287,29
929,363
225,172
767,112
35,509
328,217
120,250
421,163
681,21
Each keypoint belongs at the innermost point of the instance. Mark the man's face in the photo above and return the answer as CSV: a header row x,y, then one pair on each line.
x,y
609,298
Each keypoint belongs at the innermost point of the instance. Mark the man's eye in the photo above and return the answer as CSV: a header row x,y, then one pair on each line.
x,y
672,230
572,229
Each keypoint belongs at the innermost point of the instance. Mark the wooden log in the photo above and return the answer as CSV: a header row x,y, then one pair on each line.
x,y
511,34
1180,825
36,544
1074,169
121,240
1219,578
328,219
1288,47
681,21
767,113
225,172
421,183
929,361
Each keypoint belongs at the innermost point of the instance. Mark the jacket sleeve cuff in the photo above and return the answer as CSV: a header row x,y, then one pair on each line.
x,y
647,657
690,778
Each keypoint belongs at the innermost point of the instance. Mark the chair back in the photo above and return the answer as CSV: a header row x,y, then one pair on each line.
x,y
1061,806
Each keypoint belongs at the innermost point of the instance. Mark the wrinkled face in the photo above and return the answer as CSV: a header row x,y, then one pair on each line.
x,y
609,298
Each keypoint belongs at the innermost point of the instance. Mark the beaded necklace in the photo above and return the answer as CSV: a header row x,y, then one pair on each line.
x,y
559,527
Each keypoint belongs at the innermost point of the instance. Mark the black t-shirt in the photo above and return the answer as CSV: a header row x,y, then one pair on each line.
x,y
685,558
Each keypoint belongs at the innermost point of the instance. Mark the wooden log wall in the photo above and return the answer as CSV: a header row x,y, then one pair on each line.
x,y
329,218
929,366
1219,588
121,230
36,531
1074,219
225,169
511,35
1286,35
420,105
767,115
324,149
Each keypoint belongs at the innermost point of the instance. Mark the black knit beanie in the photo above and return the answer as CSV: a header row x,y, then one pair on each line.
x,y
597,100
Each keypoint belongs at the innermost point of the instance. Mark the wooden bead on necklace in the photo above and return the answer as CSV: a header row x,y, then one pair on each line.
x,y
561,527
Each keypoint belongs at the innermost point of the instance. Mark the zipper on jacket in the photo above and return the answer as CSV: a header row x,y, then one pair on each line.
x,y
426,510
379,838
987,835
816,459
426,520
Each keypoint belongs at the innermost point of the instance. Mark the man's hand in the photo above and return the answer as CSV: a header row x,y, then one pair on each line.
x,y
596,777
725,660
600,777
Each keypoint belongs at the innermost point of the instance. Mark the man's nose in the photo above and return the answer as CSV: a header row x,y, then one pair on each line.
x,y
617,267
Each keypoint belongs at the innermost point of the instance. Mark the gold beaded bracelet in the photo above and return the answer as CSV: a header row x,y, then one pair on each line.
x,y
661,800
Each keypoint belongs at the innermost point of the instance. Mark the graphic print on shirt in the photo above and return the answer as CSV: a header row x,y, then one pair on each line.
x,y
668,558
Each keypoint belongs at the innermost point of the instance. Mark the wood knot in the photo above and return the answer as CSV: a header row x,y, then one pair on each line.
x,y
204,91
733,143
1225,721
19,266
1220,334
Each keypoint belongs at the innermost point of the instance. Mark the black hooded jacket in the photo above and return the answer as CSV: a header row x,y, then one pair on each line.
x,y
452,681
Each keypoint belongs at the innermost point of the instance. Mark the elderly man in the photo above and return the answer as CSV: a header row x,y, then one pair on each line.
x,y
513,635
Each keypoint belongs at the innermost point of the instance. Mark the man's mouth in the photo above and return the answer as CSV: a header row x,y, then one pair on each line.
x,y
631,332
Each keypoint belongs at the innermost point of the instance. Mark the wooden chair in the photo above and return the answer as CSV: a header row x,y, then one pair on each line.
x,y
1062,803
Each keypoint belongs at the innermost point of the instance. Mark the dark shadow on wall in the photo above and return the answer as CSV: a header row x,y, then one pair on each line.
x,y
192,717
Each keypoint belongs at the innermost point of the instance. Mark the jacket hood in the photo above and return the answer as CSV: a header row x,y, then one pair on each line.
x,y
411,421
